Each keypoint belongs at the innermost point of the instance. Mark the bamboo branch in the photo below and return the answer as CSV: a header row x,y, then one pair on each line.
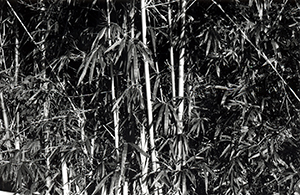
x,y
23,25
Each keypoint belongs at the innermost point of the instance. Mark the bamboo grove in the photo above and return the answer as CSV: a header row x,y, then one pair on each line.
x,y
150,97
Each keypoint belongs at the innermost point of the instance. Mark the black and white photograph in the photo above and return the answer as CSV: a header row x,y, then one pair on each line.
x,y
149,97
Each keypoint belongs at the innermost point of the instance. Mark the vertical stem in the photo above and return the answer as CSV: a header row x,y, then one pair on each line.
x,y
148,86
6,125
2,57
134,187
64,170
125,188
17,67
123,168
133,80
113,95
125,23
17,64
171,50
81,122
190,96
181,155
144,161
132,18
104,189
148,91
6,136
64,167
4,113
17,141
5,117
154,45
181,70
112,184
1,92
46,103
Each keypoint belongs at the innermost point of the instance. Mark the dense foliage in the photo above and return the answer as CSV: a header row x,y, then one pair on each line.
x,y
65,71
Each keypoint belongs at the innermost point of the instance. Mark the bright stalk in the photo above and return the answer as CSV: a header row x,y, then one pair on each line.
x,y
113,93
144,161
17,67
148,90
181,70
113,96
181,155
171,50
46,103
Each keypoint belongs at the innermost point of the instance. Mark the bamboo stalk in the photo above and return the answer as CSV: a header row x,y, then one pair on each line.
x,y
181,69
148,88
81,121
144,161
46,104
5,120
181,82
171,50
64,167
65,184
148,92
133,79
113,94
132,18
17,67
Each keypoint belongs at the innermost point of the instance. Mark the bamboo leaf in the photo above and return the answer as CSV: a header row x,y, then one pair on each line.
x,y
130,47
156,85
225,150
27,171
157,178
185,144
101,184
153,37
204,149
92,70
166,119
163,145
117,102
142,103
174,113
96,94
160,115
32,98
146,53
63,61
254,156
191,177
157,105
139,149
135,65
218,71
121,48
85,68
123,159
117,43
194,127
98,37
159,14
208,47
88,147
